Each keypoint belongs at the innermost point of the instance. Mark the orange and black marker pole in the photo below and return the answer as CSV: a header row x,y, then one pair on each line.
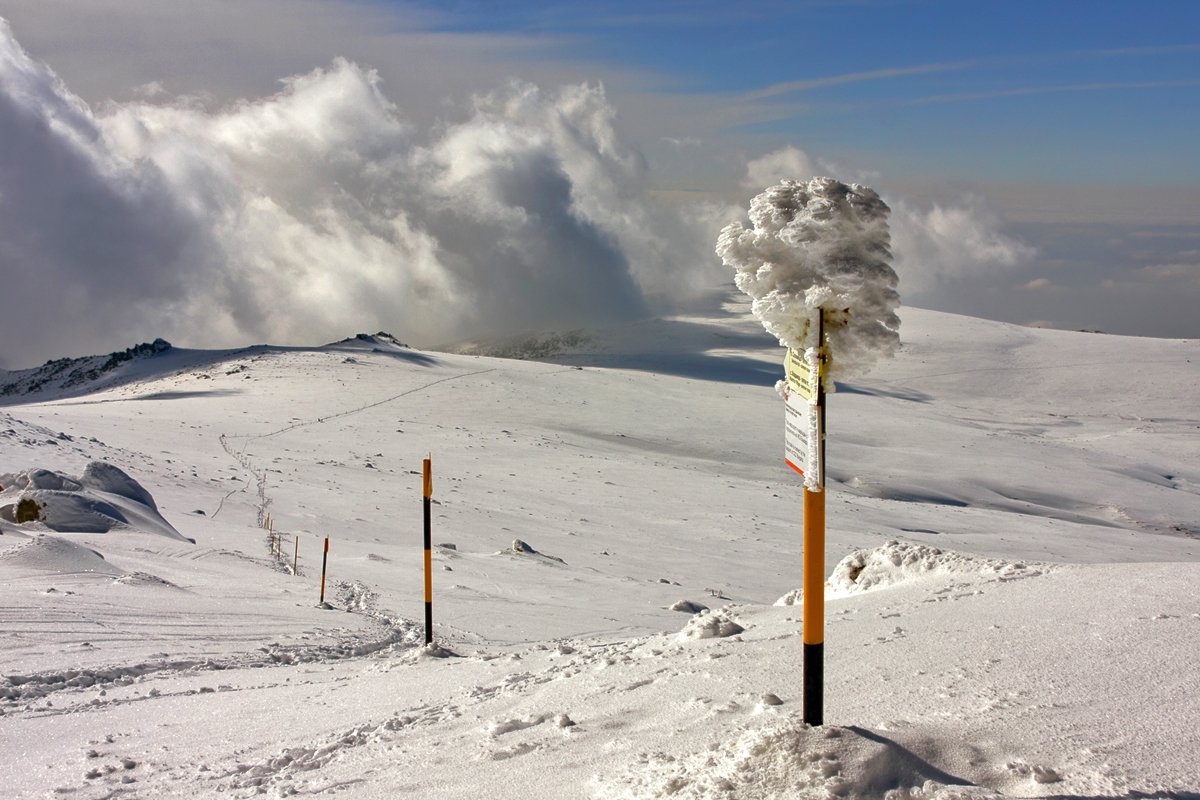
x,y
427,491
814,564
324,561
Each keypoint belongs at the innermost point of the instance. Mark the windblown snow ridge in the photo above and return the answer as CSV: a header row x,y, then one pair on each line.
x,y
899,562
784,758
896,563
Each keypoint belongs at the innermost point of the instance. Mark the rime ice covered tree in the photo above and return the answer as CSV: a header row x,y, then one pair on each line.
x,y
819,245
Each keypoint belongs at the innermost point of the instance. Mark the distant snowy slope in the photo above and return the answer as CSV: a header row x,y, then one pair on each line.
x,y
1069,426
63,376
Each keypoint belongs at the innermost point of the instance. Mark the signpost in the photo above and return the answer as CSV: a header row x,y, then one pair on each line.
x,y
804,445
816,264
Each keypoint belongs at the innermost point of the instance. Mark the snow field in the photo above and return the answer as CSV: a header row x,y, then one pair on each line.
x,y
1010,609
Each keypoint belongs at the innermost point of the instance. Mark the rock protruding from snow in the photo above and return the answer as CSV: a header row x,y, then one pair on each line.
x,y
522,548
688,607
67,373
380,340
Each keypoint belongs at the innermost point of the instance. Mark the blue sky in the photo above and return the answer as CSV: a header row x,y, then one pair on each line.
x,y
1046,92
1040,157
1110,90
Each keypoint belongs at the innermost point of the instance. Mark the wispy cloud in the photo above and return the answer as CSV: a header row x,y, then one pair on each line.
x,y
890,73
776,89
960,97
1153,50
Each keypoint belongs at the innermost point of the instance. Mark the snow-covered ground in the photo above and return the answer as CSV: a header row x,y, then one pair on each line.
x,y
1013,545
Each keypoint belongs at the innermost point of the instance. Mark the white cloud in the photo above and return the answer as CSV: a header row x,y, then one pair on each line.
x,y
1180,273
685,141
787,163
944,244
319,211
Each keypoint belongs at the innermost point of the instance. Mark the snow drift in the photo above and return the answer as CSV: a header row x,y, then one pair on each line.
x,y
101,500
898,562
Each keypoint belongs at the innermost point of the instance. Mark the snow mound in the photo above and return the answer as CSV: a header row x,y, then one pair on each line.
x,y
709,625
787,759
44,553
104,477
103,499
793,598
899,562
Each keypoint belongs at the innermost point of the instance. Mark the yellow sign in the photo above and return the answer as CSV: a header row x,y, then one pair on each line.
x,y
800,375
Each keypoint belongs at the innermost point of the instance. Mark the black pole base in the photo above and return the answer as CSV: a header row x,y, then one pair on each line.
x,y
814,684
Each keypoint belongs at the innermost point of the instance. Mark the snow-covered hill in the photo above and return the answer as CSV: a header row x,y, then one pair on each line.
x,y
64,376
1017,510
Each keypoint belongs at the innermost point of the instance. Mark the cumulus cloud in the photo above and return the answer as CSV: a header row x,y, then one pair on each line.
x,y
319,211
792,163
787,163
945,244
114,221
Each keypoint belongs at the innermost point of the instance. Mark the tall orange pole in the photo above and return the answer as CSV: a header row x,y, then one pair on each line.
x,y
427,493
814,563
324,561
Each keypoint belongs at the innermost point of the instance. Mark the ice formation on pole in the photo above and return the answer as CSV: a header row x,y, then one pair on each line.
x,y
815,245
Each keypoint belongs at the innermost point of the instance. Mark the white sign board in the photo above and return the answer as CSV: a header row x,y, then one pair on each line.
x,y
802,438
